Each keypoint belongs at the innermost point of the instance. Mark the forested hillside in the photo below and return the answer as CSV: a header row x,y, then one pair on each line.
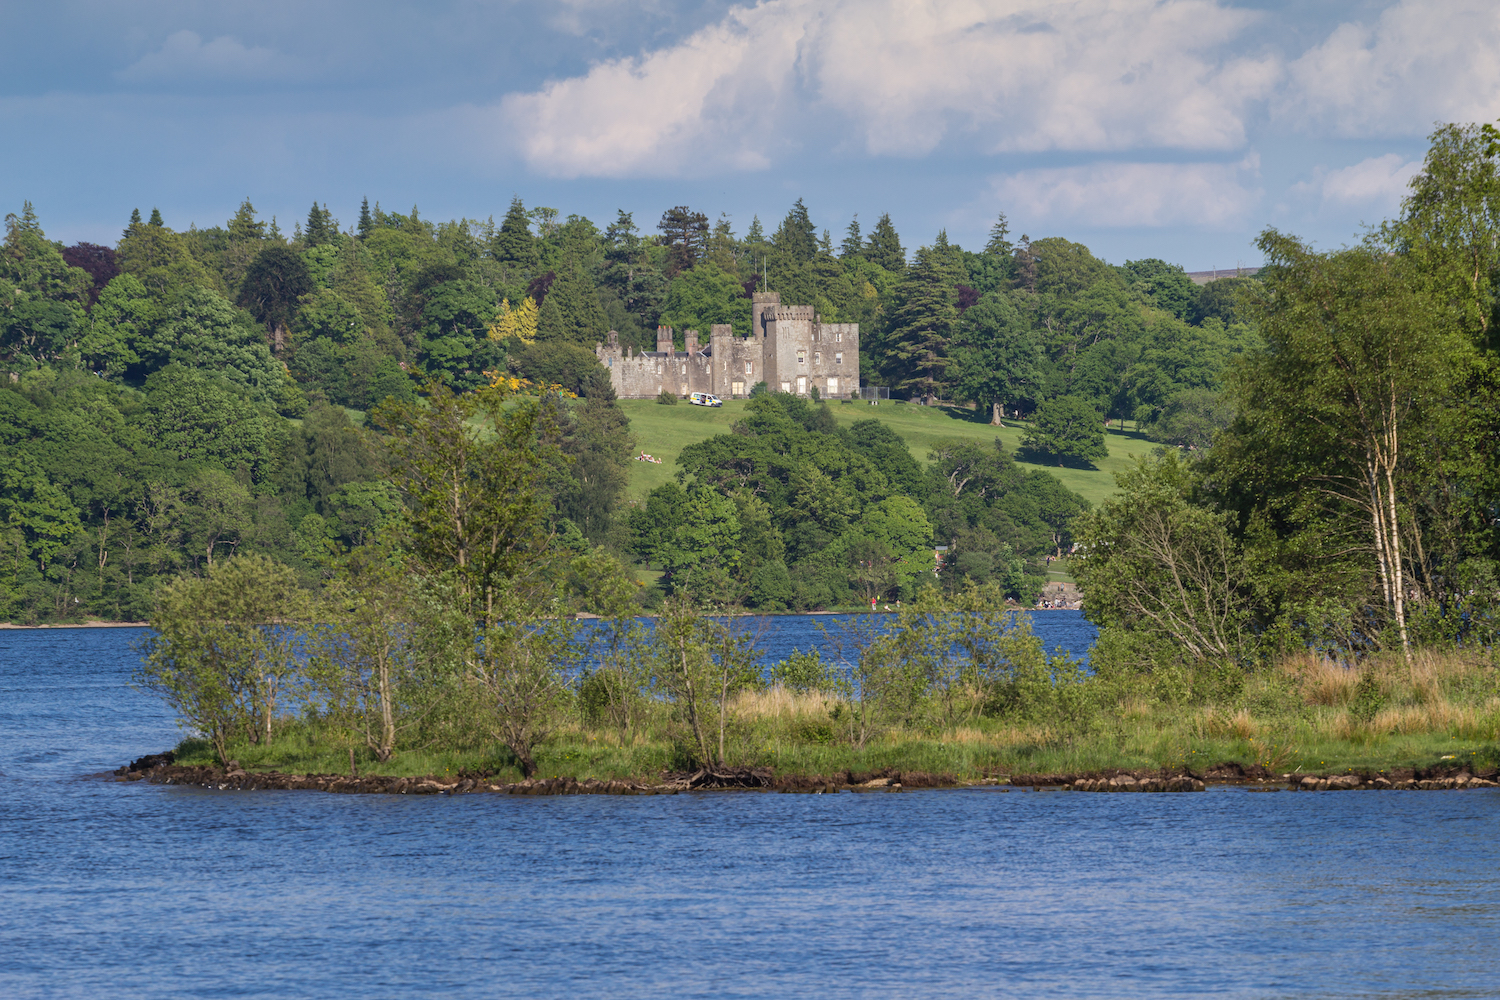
x,y
181,396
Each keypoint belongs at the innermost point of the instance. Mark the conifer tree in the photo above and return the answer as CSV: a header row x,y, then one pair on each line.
x,y
998,243
156,218
921,325
320,226
135,222
513,244
797,238
852,245
884,247
244,226
571,311
366,224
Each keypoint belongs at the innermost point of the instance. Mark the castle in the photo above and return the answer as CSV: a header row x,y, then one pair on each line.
x,y
787,349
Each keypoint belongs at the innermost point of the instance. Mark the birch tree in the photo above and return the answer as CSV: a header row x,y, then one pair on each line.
x,y
1359,359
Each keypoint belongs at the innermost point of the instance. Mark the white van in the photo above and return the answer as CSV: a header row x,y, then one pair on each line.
x,y
705,399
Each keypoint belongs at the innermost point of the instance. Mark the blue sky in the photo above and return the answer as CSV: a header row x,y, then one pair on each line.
x,y
1174,129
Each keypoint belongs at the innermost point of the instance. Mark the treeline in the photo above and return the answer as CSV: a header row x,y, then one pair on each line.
x,y
1354,502
791,511
183,395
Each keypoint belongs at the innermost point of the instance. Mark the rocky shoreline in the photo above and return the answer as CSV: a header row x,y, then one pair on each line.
x,y
161,769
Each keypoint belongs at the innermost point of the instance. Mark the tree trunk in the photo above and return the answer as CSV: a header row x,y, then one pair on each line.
x,y
995,415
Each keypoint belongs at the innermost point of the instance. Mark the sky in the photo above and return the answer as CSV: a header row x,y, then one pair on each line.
x,y
1177,129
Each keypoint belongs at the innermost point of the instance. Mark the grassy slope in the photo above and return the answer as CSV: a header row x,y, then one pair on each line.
x,y
663,431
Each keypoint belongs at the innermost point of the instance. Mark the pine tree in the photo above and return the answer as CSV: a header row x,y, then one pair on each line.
x,y
135,222
797,238
156,219
366,224
274,232
320,226
998,243
244,226
570,312
852,245
685,235
884,247
921,325
513,244
825,245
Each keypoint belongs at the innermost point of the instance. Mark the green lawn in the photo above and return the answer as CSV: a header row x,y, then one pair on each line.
x,y
663,431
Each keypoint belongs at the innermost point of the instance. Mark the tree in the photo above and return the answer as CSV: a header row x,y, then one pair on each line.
x,y
366,222
1160,562
321,227
701,662
223,648
705,296
999,245
997,356
853,245
1360,359
32,507
515,324
273,283
1167,286
921,325
469,469
1067,427
884,246
514,245
685,235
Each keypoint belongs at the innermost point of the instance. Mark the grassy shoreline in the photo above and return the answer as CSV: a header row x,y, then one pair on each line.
x,y
1304,715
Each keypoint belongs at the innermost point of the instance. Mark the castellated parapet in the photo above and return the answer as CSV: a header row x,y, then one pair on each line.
x,y
788,348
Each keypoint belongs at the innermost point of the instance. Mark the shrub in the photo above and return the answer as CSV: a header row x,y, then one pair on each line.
x,y
667,398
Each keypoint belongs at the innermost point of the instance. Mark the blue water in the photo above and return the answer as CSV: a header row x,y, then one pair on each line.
x,y
778,636
126,891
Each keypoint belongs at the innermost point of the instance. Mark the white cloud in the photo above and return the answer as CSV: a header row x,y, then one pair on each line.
x,y
186,56
1380,179
1109,195
903,75
1422,61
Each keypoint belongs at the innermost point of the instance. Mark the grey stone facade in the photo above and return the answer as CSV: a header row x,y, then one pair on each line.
x,y
788,349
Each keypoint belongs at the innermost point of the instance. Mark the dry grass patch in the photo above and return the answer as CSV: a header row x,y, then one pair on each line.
x,y
779,702
1321,681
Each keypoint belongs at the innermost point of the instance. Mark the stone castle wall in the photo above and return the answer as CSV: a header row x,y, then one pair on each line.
x,y
787,348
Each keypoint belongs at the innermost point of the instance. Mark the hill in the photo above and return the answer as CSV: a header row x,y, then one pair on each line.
x,y
663,431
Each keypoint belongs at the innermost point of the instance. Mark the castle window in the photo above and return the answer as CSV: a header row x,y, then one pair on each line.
x,y
749,367
817,357
801,357
838,338
838,359
658,368
684,368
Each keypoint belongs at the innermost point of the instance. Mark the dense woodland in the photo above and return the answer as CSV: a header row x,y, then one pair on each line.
x,y
183,396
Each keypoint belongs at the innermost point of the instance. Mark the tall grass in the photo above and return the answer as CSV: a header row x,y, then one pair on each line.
x,y
1304,713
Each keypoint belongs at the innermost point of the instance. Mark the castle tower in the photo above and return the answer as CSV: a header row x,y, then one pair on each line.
x,y
763,307
664,340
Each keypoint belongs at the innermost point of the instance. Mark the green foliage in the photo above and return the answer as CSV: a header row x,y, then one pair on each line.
x,y
704,297
1067,429
666,398
223,648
